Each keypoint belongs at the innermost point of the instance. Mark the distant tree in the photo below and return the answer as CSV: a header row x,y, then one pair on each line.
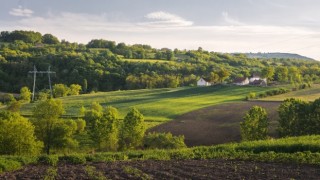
x,y
60,90
85,85
255,124
17,135
223,74
281,74
132,130
214,77
25,94
75,89
49,39
268,72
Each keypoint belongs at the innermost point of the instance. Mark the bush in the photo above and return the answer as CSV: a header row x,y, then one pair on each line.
x,y
48,160
9,165
73,159
163,141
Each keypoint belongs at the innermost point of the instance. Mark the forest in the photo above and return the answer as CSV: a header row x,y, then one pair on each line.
x,y
104,65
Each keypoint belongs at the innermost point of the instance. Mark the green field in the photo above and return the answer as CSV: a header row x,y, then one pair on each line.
x,y
157,105
309,94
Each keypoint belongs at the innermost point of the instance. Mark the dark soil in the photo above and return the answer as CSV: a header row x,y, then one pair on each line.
x,y
184,169
216,124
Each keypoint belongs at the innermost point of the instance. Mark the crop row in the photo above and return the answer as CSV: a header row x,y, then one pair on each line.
x,y
304,149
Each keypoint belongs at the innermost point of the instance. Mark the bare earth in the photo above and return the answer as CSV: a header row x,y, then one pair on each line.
x,y
183,169
216,124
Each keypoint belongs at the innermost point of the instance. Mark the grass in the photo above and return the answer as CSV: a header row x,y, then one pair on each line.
x,y
157,105
309,94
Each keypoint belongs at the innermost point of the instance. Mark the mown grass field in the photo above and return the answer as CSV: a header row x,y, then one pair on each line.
x,y
157,105
309,94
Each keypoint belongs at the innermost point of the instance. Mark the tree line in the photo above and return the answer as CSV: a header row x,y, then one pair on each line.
x,y
296,118
103,65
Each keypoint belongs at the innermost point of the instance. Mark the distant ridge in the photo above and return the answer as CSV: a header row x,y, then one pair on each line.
x,y
277,56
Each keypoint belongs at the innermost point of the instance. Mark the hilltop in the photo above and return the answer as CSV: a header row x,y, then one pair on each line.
x,y
277,55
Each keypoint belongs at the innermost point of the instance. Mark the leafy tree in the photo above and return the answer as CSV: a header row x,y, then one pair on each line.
x,y
85,85
17,135
75,89
281,74
255,124
112,131
25,94
132,130
60,90
47,123
49,39
293,117
223,74
268,72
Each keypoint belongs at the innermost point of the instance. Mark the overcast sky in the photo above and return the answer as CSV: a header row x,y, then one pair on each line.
x,y
215,25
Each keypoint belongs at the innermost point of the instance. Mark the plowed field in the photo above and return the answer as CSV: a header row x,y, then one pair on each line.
x,y
184,169
216,124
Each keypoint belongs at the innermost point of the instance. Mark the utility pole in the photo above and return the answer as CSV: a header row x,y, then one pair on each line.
x,y
35,72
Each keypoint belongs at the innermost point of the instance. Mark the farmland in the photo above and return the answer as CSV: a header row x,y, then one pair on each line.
x,y
309,94
295,157
157,105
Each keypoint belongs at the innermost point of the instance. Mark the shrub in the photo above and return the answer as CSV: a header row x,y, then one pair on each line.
x,y
9,165
73,159
48,160
163,141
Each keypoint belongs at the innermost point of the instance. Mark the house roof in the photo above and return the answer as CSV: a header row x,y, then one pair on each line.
x,y
206,79
239,79
257,82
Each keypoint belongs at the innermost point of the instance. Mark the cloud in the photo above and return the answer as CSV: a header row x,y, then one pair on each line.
x,y
81,28
165,19
229,20
20,11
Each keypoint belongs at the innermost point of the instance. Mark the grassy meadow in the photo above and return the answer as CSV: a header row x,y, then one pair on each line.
x,y
308,94
157,105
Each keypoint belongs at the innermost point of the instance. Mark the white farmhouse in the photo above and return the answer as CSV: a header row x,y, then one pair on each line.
x,y
241,81
203,82
255,78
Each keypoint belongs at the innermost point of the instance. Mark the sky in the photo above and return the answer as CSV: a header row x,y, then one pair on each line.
x,y
291,26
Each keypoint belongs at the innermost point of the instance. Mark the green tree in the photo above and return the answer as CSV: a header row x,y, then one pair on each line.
x,y
132,130
281,74
112,131
17,135
255,124
85,85
223,74
75,89
293,117
60,90
46,119
25,94
268,72
49,39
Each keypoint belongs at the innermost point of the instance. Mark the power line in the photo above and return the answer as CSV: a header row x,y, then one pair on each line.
x,y
35,72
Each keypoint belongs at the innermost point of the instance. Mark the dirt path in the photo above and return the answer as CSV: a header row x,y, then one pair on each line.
x,y
184,169
216,124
